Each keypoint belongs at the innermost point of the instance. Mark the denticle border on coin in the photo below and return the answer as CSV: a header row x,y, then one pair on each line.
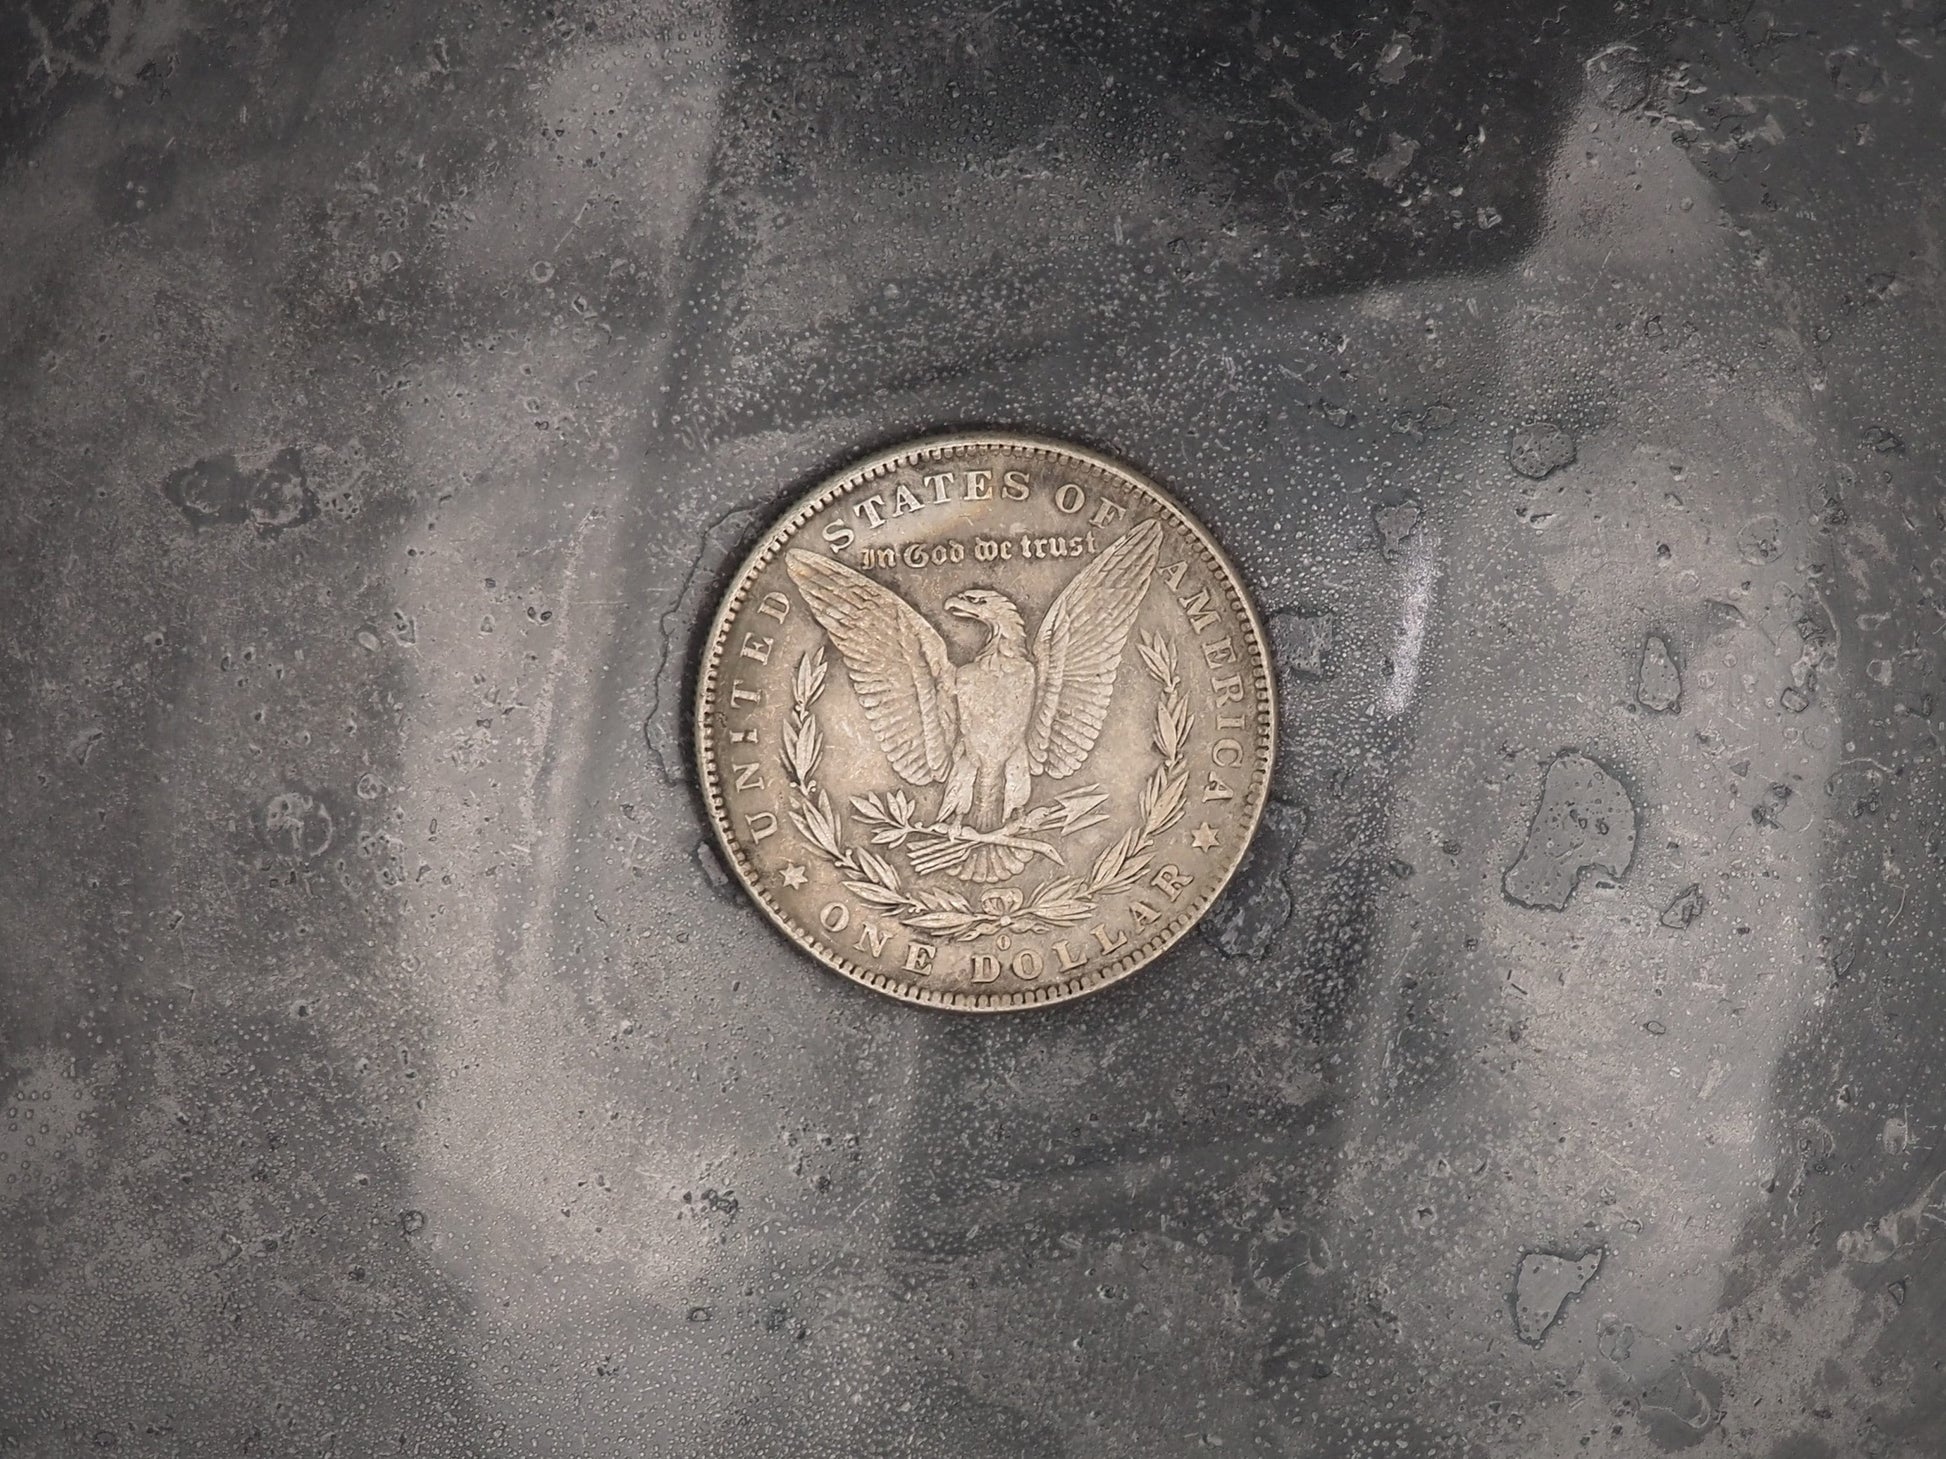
x,y
1093,974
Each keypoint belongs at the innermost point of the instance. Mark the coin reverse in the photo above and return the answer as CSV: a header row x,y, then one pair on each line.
x,y
985,722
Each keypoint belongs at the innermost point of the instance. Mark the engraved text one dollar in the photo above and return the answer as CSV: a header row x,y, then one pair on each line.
x,y
985,722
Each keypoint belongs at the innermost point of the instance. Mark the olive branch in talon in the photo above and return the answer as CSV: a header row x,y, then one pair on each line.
x,y
866,875
938,846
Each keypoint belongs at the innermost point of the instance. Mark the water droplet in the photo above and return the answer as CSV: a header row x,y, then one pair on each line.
x,y
1585,821
298,824
1248,916
1769,810
711,865
1543,1286
218,491
1540,448
1760,540
1854,75
1658,684
1619,77
1300,641
1684,908
1395,525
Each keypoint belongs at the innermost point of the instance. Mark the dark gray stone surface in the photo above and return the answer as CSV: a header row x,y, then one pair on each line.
x,y
385,392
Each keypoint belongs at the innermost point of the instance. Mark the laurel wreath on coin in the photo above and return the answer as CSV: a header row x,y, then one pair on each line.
x,y
932,847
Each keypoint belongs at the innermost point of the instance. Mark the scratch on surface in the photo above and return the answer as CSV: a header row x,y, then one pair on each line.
x,y
543,709
1420,574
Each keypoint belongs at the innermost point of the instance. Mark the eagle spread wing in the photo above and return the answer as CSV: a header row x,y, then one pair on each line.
x,y
1079,649
898,663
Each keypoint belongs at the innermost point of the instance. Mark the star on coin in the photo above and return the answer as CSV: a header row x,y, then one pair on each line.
x,y
792,875
1203,838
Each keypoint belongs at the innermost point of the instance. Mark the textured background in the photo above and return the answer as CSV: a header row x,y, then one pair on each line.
x,y
385,1065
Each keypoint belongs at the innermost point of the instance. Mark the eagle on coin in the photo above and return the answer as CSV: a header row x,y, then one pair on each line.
x,y
985,728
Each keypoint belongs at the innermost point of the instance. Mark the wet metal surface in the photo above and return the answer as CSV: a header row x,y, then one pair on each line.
x,y
387,1063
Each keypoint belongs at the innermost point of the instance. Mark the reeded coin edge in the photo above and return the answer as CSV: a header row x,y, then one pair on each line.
x,y
933,448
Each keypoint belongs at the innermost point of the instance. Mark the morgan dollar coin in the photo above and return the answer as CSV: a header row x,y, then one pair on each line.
x,y
985,722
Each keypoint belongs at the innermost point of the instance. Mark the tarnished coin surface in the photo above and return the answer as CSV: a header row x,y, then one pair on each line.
x,y
985,722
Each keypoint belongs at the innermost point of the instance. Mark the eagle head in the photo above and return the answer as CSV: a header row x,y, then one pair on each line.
x,y
995,610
